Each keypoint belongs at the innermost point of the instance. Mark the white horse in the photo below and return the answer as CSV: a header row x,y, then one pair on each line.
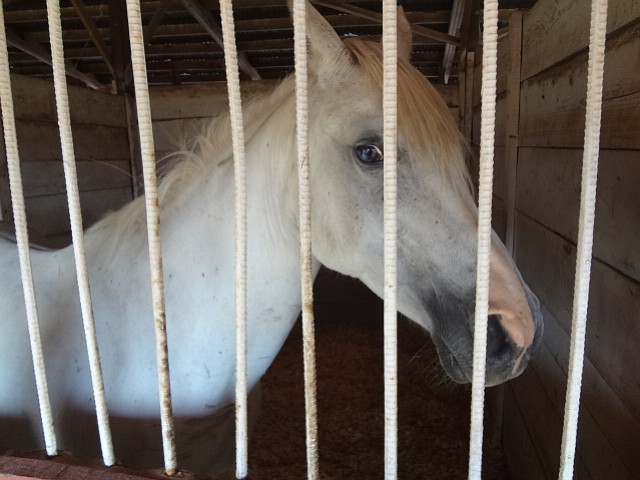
x,y
437,226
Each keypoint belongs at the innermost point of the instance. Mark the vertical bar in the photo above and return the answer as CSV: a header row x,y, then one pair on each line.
x,y
153,231
585,234
22,237
239,165
306,265
485,193
73,194
389,101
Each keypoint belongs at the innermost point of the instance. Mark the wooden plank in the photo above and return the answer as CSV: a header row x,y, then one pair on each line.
x,y
547,262
497,216
608,434
542,421
553,103
47,178
203,100
6,213
66,467
49,215
470,78
510,160
97,40
500,131
34,99
205,19
549,191
41,141
502,73
520,453
554,31
35,50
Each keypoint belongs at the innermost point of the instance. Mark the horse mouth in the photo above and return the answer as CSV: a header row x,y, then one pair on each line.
x,y
451,364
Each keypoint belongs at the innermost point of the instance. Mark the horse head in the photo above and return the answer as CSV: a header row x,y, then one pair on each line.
x,y
437,216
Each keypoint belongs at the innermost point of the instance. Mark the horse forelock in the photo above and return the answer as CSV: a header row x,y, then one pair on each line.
x,y
424,120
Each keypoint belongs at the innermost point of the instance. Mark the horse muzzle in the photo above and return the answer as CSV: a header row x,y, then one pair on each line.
x,y
506,357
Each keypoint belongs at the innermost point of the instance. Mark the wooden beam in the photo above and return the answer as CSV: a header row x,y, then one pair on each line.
x,y
457,12
418,30
513,124
124,86
87,21
41,54
159,12
205,19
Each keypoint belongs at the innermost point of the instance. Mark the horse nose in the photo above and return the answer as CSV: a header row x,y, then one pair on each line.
x,y
500,348
504,356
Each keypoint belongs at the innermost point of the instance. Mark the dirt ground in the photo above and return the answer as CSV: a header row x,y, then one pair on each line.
x,y
433,412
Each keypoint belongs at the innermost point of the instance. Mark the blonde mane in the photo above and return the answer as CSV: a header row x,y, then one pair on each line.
x,y
424,120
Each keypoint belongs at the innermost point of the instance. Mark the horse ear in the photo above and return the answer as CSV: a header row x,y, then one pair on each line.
x,y
327,54
405,40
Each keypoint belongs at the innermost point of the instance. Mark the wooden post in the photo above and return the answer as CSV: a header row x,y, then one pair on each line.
x,y
468,95
6,212
124,86
513,124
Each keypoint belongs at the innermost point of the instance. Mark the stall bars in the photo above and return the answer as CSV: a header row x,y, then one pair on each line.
x,y
585,239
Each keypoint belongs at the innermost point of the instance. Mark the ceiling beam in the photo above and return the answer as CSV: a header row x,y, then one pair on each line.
x,y
455,24
156,18
205,19
87,21
418,30
41,54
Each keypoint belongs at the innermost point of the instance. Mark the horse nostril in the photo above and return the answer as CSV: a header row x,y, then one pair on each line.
x,y
499,346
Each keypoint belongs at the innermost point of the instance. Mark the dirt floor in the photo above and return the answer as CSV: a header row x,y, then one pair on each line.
x,y
433,412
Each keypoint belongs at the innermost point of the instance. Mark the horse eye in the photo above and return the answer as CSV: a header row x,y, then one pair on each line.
x,y
369,154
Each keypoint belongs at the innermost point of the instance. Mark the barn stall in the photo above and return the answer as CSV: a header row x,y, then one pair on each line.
x,y
542,66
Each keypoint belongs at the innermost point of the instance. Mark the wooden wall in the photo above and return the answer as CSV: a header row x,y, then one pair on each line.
x,y
101,147
540,133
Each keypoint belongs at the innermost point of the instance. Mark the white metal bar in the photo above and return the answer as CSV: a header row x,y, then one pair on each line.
x,y
304,199
71,180
239,165
485,192
390,134
153,231
22,237
585,234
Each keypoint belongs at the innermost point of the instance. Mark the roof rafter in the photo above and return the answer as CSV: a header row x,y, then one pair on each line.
x,y
158,13
87,21
35,50
421,31
205,19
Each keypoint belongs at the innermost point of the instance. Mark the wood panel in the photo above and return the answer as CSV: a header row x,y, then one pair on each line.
x,y
553,103
609,422
101,149
554,31
547,262
518,444
549,191
40,141
47,178
206,100
33,98
48,215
